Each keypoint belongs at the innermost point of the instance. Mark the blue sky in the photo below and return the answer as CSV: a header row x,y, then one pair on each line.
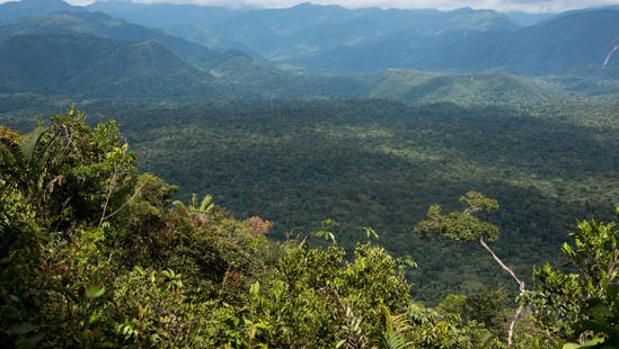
x,y
501,5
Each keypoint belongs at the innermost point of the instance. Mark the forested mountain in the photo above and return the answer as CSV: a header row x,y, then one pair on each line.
x,y
482,88
84,65
575,44
154,65
328,38
94,55
191,22
101,25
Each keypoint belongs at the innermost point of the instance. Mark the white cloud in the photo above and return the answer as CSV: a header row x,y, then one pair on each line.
x,y
502,5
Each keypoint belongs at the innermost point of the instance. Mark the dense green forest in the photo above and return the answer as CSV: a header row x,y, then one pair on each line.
x,y
96,253
381,164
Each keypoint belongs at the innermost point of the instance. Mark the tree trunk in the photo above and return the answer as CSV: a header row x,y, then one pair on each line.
x,y
521,288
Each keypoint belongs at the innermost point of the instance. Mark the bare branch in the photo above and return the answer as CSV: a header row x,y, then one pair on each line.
x,y
108,195
138,190
521,288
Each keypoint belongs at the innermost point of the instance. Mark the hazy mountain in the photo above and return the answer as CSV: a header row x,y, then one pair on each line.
x,y
191,22
577,43
34,8
573,44
232,66
302,30
341,40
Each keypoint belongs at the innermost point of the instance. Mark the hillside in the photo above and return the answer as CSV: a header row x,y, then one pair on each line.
x,y
191,22
83,65
101,25
489,88
158,65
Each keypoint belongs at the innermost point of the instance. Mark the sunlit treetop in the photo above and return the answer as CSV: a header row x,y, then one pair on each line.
x,y
461,225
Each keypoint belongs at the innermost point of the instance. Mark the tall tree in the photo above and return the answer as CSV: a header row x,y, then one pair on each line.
x,y
466,226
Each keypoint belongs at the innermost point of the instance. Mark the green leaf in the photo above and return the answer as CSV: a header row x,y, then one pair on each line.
x,y
95,292
178,204
370,233
254,289
206,203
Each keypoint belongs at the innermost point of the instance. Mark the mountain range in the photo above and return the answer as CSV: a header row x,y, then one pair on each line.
x,y
338,39
121,49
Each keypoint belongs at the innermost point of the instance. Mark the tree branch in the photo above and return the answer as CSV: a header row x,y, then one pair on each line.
x,y
521,288
138,190
109,195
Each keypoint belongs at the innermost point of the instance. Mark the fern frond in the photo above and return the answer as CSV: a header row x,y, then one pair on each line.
x,y
396,327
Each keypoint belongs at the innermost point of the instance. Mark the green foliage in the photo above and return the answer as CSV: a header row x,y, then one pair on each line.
x,y
586,296
325,232
601,317
487,307
296,163
120,264
461,225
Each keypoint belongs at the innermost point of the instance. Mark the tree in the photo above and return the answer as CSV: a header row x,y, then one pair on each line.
x,y
465,226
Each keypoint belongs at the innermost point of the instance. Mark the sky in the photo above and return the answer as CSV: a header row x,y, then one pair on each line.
x,y
500,5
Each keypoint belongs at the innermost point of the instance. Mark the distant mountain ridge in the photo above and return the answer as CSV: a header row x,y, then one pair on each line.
x,y
370,40
91,54
14,10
